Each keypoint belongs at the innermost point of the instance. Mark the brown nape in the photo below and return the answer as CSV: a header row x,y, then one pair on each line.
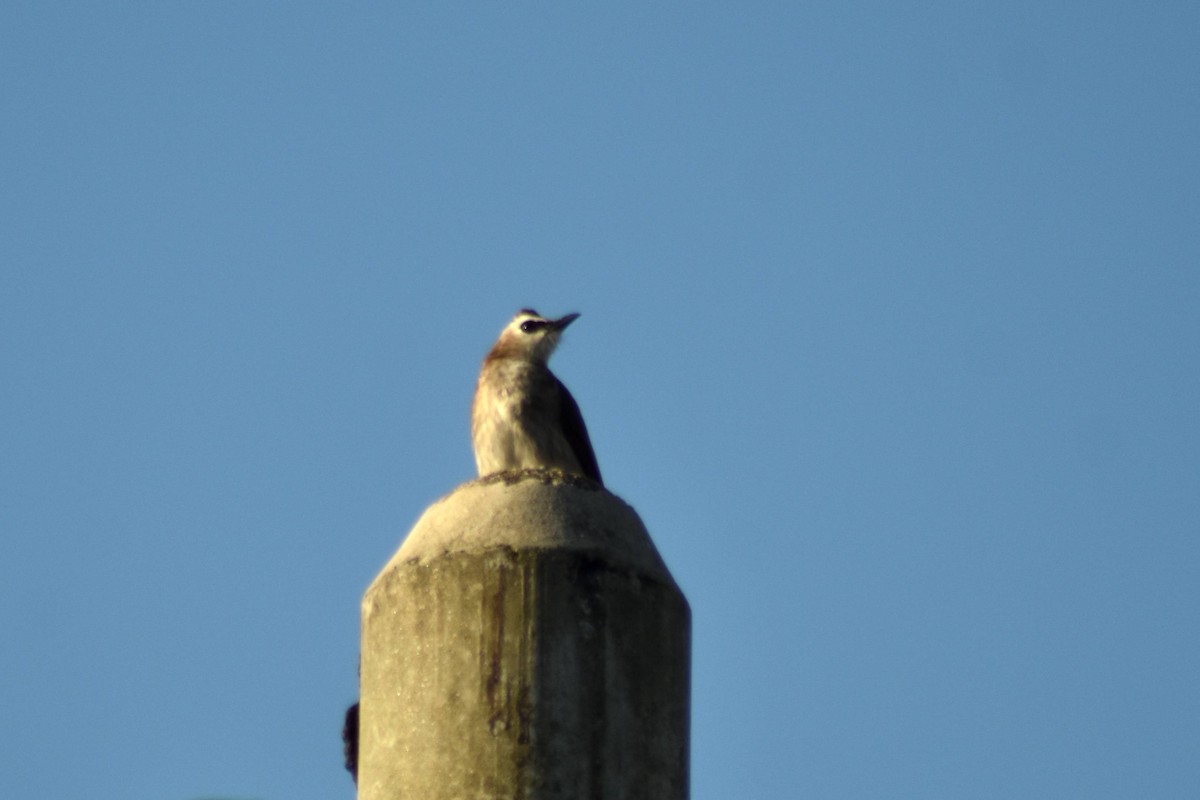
x,y
504,347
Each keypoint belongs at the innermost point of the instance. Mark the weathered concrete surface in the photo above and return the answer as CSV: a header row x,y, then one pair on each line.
x,y
525,643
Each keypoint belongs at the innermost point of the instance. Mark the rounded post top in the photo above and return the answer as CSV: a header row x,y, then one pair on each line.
x,y
533,509
526,641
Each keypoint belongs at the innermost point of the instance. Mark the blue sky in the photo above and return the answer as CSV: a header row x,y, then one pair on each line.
x,y
889,333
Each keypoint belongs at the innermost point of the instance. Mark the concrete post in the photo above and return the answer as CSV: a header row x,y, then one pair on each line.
x,y
525,643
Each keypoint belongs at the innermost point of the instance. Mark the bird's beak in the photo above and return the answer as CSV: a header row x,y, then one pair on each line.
x,y
563,322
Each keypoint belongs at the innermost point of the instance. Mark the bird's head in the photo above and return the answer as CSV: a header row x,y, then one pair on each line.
x,y
530,336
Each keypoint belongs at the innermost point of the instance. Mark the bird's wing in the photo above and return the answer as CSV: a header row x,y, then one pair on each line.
x,y
577,435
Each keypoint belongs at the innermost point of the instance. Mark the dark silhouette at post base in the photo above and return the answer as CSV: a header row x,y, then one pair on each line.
x,y
350,741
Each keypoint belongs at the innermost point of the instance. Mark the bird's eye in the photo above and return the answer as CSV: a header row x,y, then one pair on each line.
x,y
531,325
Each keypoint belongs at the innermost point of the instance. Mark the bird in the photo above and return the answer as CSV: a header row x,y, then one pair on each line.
x,y
522,416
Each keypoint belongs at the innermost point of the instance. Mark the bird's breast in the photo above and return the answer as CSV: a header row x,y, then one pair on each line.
x,y
515,420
